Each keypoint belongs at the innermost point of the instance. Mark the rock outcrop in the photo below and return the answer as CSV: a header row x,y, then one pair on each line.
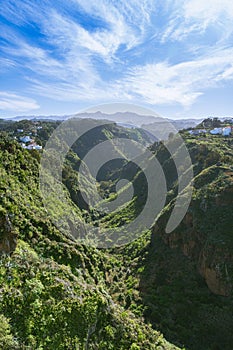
x,y
212,265
8,236
205,236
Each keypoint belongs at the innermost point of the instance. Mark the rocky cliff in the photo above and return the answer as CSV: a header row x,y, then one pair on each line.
x,y
205,235
8,236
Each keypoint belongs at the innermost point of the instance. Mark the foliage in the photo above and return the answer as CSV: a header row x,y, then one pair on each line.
x,y
7,342
53,290
57,293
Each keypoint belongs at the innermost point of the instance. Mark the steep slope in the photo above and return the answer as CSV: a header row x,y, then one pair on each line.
x,y
57,293
182,281
53,290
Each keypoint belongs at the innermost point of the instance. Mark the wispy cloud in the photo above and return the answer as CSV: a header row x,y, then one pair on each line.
x,y
182,83
209,12
196,17
122,16
157,84
165,52
15,103
6,64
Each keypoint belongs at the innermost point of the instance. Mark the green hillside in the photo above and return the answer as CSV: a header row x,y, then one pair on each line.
x,y
53,291
59,294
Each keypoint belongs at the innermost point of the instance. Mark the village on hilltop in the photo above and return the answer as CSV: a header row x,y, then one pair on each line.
x,y
27,141
213,126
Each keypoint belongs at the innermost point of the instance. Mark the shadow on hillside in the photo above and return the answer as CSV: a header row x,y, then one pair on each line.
x,y
180,305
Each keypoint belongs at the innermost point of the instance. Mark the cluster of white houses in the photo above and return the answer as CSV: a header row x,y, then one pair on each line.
x,y
28,143
224,131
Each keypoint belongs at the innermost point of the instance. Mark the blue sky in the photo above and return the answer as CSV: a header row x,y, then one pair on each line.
x,y
59,57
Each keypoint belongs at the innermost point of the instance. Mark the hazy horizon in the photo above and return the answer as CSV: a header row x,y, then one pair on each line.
x,y
60,116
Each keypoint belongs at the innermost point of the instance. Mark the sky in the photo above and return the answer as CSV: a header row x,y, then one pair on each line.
x,y
61,57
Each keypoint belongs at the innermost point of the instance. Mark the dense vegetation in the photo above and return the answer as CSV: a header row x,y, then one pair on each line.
x,y
58,294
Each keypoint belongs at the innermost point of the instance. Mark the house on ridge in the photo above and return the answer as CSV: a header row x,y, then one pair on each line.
x,y
25,139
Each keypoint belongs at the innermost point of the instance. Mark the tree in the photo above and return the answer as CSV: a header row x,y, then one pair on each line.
x,y
7,341
216,123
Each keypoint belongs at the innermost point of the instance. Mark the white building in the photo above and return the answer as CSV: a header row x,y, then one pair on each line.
x,y
216,131
31,146
25,139
34,146
226,131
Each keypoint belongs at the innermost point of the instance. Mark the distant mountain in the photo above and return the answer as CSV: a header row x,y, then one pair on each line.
x,y
39,117
127,119
180,124
149,122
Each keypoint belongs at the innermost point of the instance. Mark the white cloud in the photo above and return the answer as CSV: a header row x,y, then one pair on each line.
x,y
182,83
134,14
15,103
72,38
70,64
196,16
157,84
6,63
71,67
125,24
208,11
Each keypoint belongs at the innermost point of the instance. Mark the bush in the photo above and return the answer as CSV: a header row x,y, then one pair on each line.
x,y
6,338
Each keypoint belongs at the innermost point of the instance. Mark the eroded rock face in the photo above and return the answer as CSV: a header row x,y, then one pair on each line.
x,y
212,266
225,198
211,259
214,282
8,236
186,239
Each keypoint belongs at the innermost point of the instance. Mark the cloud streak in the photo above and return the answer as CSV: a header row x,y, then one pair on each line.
x,y
123,52
182,83
15,103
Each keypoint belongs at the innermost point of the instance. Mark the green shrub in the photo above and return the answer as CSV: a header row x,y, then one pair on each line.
x,y
7,341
